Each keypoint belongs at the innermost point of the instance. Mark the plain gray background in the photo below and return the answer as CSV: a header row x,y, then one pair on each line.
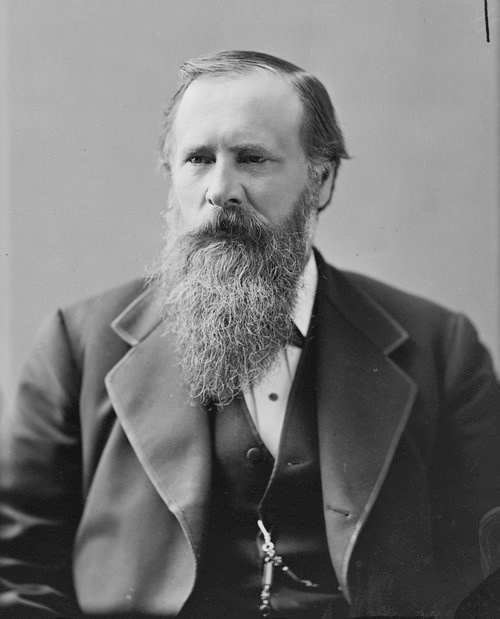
x,y
82,83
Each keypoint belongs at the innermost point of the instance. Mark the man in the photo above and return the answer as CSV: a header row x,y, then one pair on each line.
x,y
253,433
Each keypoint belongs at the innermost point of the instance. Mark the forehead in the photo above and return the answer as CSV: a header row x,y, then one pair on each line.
x,y
259,106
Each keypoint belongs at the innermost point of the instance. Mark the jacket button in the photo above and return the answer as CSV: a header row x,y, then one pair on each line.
x,y
254,455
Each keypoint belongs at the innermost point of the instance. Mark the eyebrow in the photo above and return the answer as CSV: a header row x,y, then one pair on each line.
x,y
239,147
251,146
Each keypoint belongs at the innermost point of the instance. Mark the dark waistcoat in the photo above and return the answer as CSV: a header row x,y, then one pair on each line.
x,y
285,494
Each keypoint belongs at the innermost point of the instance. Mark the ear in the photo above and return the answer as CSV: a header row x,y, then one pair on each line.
x,y
327,184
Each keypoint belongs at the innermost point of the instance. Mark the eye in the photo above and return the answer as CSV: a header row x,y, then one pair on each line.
x,y
199,160
252,158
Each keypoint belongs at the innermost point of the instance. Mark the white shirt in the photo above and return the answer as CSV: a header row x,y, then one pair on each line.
x,y
267,401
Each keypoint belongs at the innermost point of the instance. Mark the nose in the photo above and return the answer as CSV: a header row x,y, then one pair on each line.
x,y
224,187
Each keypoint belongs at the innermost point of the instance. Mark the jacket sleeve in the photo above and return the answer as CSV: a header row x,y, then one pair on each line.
x,y
466,474
40,483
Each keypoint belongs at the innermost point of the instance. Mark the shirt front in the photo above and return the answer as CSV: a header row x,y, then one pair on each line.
x,y
267,401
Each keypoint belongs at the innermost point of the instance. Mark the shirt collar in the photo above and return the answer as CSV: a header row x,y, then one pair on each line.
x,y
305,297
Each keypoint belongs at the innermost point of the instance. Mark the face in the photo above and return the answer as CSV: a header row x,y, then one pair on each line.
x,y
235,141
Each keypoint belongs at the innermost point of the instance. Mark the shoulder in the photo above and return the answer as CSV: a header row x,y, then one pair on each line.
x,y
85,329
420,317
401,304
105,306
431,331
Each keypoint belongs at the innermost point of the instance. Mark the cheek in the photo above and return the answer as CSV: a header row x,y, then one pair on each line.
x,y
185,190
278,195
276,204
189,198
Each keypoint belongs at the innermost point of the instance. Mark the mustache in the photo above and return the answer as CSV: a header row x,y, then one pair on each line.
x,y
236,222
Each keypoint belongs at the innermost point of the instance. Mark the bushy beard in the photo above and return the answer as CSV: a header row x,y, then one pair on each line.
x,y
228,291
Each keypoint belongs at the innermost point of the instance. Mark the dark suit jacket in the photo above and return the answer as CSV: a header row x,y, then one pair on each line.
x,y
106,472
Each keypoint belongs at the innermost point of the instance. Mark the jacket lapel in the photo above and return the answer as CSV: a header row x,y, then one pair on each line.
x,y
169,435
363,401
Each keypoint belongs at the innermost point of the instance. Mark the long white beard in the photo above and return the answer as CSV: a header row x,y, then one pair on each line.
x,y
228,292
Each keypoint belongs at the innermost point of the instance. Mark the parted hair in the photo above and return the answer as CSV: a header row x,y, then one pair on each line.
x,y
320,132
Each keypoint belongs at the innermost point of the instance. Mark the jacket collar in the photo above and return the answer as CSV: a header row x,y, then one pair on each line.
x,y
361,310
139,318
363,401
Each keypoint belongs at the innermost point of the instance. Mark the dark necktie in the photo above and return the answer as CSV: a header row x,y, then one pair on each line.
x,y
297,339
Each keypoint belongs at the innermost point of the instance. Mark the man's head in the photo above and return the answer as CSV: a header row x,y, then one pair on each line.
x,y
252,158
319,134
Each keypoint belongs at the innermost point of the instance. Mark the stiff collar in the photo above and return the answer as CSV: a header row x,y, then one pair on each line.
x,y
306,295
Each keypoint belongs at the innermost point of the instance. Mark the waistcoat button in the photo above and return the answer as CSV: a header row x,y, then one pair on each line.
x,y
254,455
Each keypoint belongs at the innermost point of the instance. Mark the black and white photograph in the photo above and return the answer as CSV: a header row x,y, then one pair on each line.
x,y
249,309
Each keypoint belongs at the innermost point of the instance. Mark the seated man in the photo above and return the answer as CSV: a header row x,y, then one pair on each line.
x,y
251,433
